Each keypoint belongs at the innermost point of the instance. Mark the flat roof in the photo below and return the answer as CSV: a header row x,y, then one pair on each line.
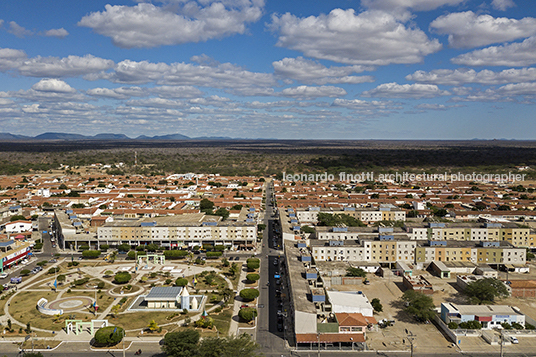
x,y
163,293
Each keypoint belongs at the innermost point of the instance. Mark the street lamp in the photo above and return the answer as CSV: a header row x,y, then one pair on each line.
x,y
410,336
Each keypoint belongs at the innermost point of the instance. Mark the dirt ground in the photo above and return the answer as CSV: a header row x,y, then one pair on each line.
x,y
428,338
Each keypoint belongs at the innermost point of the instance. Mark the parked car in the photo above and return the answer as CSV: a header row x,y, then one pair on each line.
x,y
3,275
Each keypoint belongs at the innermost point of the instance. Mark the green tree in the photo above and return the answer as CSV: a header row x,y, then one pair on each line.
x,y
123,247
249,294
206,204
471,325
181,282
376,304
351,271
222,212
181,343
419,305
108,336
234,269
261,227
91,254
485,291
247,314
242,346
225,262
253,277
253,263
17,217
122,277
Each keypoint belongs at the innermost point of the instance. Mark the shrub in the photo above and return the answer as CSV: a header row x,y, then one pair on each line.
x,y
25,272
123,247
517,326
122,277
214,255
181,282
80,281
249,294
175,254
53,270
453,325
529,327
108,336
253,263
91,254
253,277
83,247
471,325
100,285
247,314
104,247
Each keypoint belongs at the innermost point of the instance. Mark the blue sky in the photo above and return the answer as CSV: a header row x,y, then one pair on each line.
x,y
300,69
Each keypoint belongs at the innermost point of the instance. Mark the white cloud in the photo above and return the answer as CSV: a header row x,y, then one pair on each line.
x,y
107,93
59,33
418,5
312,92
312,72
18,30
358,104
71,66
10,58
514,54
465,75
146,25
502,5
467,29
395,90
225,75
518,89
177,92
430,106
370,38
53,85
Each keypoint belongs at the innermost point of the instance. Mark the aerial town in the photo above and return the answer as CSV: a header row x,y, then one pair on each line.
x,y
289,266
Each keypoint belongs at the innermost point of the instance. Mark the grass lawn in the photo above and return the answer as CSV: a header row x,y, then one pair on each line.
x,y
138,320
103,300
222,321
23,308
40,344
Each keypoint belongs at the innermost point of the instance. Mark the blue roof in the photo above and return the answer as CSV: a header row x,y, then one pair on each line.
x,y
7,244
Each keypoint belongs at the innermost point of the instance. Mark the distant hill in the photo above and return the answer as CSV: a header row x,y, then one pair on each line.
x,y
164,137
9,136
105,136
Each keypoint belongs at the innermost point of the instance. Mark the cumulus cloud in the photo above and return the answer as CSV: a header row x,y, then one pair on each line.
x,y
514,54
418,5
53,85
10,58
462,76
146,25
17,30
312,92
59,33
502,5
395,90
372,37
216,75
312,72
70,66
467,29
431,106
358,104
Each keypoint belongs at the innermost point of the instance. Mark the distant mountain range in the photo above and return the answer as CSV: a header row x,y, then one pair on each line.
x,y
104,136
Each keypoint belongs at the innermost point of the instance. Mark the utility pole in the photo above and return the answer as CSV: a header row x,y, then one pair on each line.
x,y
502,343
411,337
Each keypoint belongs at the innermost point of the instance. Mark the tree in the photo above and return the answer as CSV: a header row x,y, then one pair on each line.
x,y
181,343
153,326
234,269
453,325
261,227
213,255
471,325
122,277
249,294
484,291
206,204
181,282
378,307
17,217
419,305
123,247
109,336
351,271
242,346
253,263
225,262
91,254
253,277
25,272
222,211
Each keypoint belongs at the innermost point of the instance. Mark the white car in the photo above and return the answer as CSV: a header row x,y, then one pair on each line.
x,y
514,340
3,275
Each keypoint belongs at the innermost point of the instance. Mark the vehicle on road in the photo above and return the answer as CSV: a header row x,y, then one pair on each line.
x,y
514,340
3,275
16,280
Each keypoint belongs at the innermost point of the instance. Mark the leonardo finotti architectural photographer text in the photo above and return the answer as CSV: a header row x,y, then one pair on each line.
x,y
406,177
